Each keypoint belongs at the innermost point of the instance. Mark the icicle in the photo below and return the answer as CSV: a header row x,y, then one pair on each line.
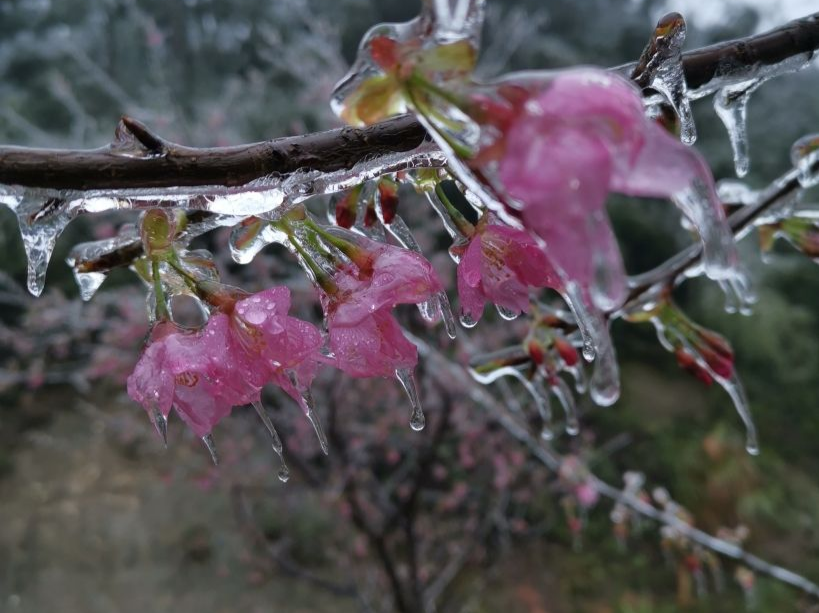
x,y
407,379
89,281
608,286
577,372
438,306
544,407
42,217
719,258
597,346
736,391
573,296
731,105
805,158
605,380
211,446
161,425
566,399
660,68
276,441
739,296
308,406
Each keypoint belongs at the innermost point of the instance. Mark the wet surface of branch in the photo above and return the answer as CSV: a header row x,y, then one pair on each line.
x,y
139,159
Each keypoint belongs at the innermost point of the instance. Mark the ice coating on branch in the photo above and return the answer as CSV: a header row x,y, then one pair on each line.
x,y
204,373
805,158
87,261
660,68
499,265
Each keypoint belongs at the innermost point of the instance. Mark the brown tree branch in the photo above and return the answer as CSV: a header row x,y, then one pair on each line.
x,y
138,159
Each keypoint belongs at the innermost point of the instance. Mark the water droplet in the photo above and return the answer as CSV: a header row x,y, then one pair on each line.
x,y
211,447
407,379
161,425
467,321
284,474
505,313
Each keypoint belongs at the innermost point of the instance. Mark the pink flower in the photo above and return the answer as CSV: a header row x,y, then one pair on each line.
x,y
566,145
204,373
365,338
499,265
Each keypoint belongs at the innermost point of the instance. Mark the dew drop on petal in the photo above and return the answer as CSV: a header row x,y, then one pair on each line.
x,y
467,321
161,424
505,313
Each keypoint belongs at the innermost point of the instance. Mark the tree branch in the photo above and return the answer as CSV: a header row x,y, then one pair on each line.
x,y
138,159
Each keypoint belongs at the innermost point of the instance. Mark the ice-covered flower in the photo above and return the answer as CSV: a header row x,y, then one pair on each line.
x,y
499,265
571,141
365,338
248,342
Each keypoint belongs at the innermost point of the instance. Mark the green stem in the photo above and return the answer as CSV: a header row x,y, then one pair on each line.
x,y
464,226
162,313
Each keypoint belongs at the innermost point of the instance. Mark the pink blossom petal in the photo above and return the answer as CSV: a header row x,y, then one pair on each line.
x,y
372,347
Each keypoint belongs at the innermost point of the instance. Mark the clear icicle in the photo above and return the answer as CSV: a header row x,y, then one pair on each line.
x,y
660,68
805,158
731,105
573,296
446,314
544,407
699,203
308,406
577,372
604,386
566,398
736,391
90,281
407,379
211,447
42,217
276,441
161,424
436,307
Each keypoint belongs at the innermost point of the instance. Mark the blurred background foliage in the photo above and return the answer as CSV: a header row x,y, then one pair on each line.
x,y
158,530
